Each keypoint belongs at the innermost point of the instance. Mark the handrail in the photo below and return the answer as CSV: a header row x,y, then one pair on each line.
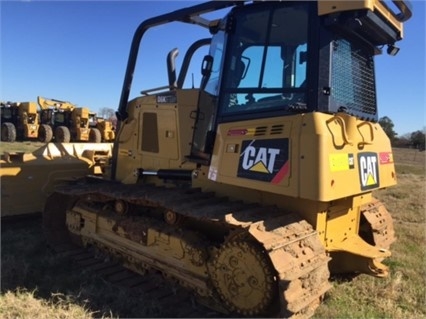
x,y
405,9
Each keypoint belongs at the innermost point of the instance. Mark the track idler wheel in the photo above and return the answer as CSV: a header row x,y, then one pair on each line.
x,y
244,278
121,207
172,218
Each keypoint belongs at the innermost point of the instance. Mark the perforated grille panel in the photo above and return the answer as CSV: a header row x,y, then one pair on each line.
x,y
352,78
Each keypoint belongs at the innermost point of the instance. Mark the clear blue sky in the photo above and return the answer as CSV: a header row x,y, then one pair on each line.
x,y
77,51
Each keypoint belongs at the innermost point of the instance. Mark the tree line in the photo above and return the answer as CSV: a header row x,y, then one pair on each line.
x,y
414,139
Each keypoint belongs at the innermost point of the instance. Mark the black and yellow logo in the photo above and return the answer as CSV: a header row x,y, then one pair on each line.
x,y
368,170
265,160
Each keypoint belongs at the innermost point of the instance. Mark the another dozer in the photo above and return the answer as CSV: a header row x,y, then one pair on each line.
x,y
19,121
254,187
64,122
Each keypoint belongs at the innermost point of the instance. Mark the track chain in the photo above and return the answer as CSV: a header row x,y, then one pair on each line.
x,y
152,284
377,229
293,246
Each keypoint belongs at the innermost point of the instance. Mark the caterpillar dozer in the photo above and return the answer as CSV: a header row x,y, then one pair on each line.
x,y
251,189
19,121
65,122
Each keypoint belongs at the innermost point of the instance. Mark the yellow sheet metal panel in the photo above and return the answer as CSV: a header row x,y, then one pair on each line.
x,y
328,7
313,156
258,154
341,156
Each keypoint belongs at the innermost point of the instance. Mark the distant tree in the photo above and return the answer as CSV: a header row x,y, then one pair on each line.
x,y
106,112
387,125
418,140
402,141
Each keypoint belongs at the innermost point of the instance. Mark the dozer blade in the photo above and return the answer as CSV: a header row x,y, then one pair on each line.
x,y
28,178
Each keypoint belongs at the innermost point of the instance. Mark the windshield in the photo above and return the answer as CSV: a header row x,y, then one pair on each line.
x,y
268,60
6,113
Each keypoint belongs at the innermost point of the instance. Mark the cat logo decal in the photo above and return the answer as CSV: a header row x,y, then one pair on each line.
x,y
368,170
265,160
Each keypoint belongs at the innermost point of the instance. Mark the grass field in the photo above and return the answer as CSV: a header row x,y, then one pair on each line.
x,y
35,281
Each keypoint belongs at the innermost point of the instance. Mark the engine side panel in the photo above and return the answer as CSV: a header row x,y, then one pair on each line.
x,y
157,134
313,156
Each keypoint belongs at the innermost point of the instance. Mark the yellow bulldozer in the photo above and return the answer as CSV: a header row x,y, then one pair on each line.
x,y
254,187
19,121
65,122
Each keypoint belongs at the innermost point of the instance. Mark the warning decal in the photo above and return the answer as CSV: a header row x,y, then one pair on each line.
x,y
368,170
264,160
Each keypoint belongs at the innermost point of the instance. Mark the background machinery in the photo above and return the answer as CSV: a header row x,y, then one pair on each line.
x,y
19,121
104,126
65,122
255,186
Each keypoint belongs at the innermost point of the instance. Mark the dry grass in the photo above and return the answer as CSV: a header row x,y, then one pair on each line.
x,y
34,281
30,271
23,304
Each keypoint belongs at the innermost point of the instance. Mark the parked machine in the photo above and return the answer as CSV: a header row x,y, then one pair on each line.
x,y
104,126
255,186
65,122
19,121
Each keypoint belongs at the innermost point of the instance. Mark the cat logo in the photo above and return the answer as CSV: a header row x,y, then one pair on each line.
x,y
265,160
368,170
260,160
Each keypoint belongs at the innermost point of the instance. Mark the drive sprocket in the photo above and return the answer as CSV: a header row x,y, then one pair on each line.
x,y
244,278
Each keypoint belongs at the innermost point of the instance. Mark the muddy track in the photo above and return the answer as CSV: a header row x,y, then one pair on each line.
x,y
377,226
294,251
169,295
95,261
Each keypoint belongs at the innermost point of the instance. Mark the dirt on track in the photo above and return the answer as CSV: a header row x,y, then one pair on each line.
x,y
87,278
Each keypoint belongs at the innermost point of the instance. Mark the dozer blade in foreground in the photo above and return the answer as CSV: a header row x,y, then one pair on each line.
x,y
28,178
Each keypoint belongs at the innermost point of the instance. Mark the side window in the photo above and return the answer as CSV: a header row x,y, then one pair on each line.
x,y
283,68
216,51
272,77
273,61
301,58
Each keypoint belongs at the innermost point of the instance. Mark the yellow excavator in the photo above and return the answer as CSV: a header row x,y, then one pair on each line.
x,y
19,121
65,122
252,188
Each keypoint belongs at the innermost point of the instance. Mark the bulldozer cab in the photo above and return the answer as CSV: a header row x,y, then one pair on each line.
x,y
268,60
